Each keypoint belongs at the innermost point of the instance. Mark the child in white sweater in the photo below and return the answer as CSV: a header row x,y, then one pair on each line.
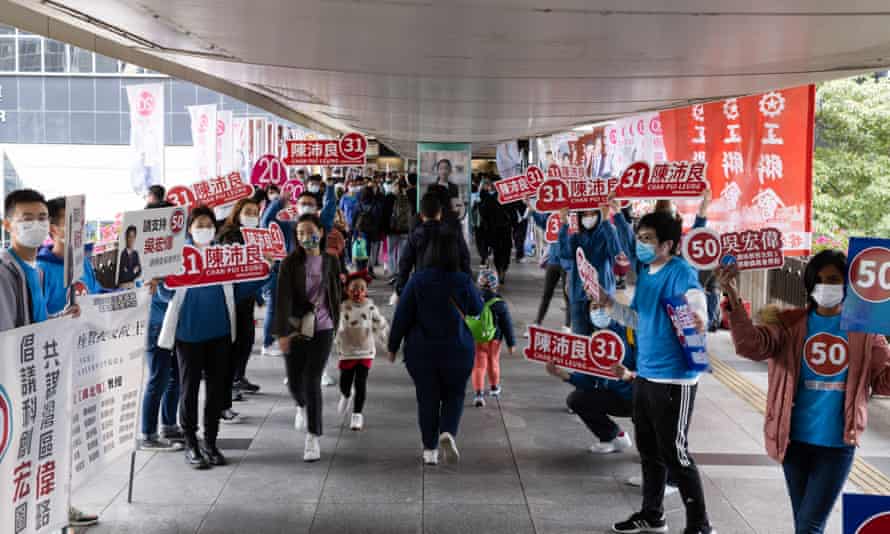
x,y
360,323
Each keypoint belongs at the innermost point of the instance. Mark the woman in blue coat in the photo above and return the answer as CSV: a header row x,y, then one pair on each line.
x,y
439,348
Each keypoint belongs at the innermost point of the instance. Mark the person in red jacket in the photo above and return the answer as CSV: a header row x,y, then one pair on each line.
x,y
820,378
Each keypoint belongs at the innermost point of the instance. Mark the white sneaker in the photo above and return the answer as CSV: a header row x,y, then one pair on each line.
x,y
637,482
271,350
621,442
393,299
358,422
343,405
300,418
285,381
229,417
327,380
478,401
495,391
312,450
449,447
431,457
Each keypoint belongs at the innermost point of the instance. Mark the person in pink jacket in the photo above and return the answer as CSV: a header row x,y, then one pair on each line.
x,y
820,378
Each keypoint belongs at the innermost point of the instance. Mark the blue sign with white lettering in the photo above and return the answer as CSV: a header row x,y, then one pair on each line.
x,y
692,340
867,299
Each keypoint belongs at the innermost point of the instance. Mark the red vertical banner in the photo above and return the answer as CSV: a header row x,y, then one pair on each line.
x,y
759,151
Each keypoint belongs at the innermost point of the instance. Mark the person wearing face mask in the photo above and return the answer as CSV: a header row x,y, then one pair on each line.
x,y
367,223
819,381
201,323
599,241
595,399
556,273
315,186
350,199
308,290
494,230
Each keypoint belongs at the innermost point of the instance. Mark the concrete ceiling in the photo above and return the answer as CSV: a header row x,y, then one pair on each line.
x,y
490,70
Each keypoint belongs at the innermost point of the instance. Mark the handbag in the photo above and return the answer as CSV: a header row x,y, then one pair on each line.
x,y
304,327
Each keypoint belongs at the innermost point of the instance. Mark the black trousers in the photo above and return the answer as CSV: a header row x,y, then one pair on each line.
x,y
207,359
552,278
304,365
594,408
501,244
661,415
519,232
356,377
480,237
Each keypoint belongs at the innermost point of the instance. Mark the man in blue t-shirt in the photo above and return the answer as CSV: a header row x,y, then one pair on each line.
x,y
665,386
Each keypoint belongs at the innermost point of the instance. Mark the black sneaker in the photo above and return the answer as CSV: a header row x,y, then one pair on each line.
x,y
700,530
214,457
247,386
159,445
194,458
638,523
237,396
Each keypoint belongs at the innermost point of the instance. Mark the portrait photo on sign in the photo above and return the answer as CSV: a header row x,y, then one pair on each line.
x,y
448,168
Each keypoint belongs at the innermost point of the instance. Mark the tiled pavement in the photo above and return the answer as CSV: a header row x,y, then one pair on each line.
x,y
524,465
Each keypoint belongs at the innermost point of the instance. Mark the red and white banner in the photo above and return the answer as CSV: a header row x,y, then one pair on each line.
x,y
576,195
589,277
677,179
219,191
519,187
749,250
594,355
348,150
637,138
204,140
219,264
225,143
268,170
270,240
566,172
759,151
146,135
292,190
554,223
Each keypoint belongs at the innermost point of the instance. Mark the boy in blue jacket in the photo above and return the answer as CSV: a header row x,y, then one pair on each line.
x,y
488,354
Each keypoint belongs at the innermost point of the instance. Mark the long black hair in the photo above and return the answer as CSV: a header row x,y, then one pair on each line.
x,y
442,252
819,262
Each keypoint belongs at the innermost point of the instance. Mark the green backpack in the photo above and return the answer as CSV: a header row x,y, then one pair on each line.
x,y
482,326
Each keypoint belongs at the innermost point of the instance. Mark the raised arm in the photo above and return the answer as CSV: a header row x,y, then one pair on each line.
x,y
330,208
756,343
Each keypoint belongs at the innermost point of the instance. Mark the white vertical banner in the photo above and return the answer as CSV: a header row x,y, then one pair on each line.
x,y
636,138
240,150
224,143
35,397
204,140
146,135
74,223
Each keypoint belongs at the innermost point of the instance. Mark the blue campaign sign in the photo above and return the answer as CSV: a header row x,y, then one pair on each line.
x,y
693,342
866,514
867,302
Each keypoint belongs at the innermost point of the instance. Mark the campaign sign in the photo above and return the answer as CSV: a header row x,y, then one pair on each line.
x,y
219,191
219,264
348,150
675,179
749,250
589,277
576,195
594,355
866,514
292,190
519,187
270,240
566,172
287,214
74,222
150,243
268,170
554,223
693,342
867,302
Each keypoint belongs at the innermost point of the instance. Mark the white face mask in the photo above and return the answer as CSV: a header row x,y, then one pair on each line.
x,y
589,221
314,188
203,236
249,222
828,295
600,318
31,234
303,210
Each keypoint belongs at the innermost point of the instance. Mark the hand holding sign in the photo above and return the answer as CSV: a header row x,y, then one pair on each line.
x,y
676,179
867,302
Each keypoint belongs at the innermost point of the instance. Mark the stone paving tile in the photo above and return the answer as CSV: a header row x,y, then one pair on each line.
x,y
472,518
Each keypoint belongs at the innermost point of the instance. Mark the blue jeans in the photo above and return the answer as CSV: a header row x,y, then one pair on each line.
x,y
440,392
580,316
162,390
269,291
815,477
713,308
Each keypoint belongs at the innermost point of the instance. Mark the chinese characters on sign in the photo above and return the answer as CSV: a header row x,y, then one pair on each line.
x,y
867,302
519,187
219,264
270,240
589,277
155,237
576,195
268,170
212,193
749,250
594,355
692,341
74,222
348,150
675,179
554,223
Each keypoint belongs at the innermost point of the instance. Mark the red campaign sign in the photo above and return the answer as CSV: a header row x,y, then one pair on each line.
x,y
348,150
566,172
519,187
589,277
576,195
219,264
289,213
270,240
268,170
675,179
759,151
749,250
292,190
594,355
219,191
554,223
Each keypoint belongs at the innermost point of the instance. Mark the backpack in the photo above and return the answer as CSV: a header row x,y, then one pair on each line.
x,y
400,220
360,248
482,327
367,222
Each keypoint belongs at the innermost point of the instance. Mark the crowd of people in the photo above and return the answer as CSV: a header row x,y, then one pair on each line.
x,y
318,314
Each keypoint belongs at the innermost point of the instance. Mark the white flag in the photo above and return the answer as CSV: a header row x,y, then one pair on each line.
x,y
146,135
204,140
239,146
224,143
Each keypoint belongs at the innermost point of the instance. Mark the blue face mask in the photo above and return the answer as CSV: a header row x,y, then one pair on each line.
x,y
600,318
646,252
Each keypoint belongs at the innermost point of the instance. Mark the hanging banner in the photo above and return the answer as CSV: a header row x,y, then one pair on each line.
x,y
146,136
576,195
74,223
151,244
750,250
109,343
219,264
594,355
241,157
519,187
556,149
270,240
348,150
212,193
508,158
204,140
867,301
694,347
677,179
35,397
637,138
225,142
554,223
268,170
759,151
866,514
588,152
